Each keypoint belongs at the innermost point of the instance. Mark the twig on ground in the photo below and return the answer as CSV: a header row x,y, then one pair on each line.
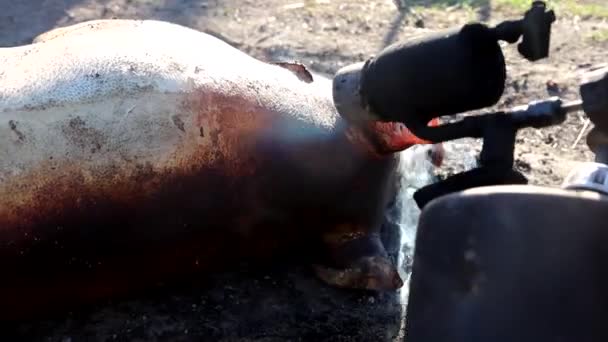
x,y
580,134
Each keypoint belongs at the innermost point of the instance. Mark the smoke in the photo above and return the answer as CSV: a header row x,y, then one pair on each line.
x,y
416,171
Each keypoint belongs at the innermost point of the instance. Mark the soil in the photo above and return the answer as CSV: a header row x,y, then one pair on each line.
x,y
290,304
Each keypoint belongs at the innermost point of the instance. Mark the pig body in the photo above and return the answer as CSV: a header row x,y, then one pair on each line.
x,y
133,152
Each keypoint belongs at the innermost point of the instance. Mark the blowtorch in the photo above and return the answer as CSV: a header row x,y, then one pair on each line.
x,y
500,261
519,263
449,73
440,74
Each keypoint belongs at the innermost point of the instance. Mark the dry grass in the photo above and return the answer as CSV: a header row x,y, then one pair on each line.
x,y
561,7
599,36
583,8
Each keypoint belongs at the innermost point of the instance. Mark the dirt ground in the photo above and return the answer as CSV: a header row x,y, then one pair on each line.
x,y
290,305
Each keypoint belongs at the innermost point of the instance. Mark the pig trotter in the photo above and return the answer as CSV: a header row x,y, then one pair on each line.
x,y
358,261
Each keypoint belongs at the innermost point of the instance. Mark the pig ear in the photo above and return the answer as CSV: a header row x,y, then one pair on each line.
x,y
298,69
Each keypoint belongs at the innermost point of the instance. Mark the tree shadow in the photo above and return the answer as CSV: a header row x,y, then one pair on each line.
x,y
396,23
21,21
405,10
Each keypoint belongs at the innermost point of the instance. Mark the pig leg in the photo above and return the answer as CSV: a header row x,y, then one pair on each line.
x,y
357,257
